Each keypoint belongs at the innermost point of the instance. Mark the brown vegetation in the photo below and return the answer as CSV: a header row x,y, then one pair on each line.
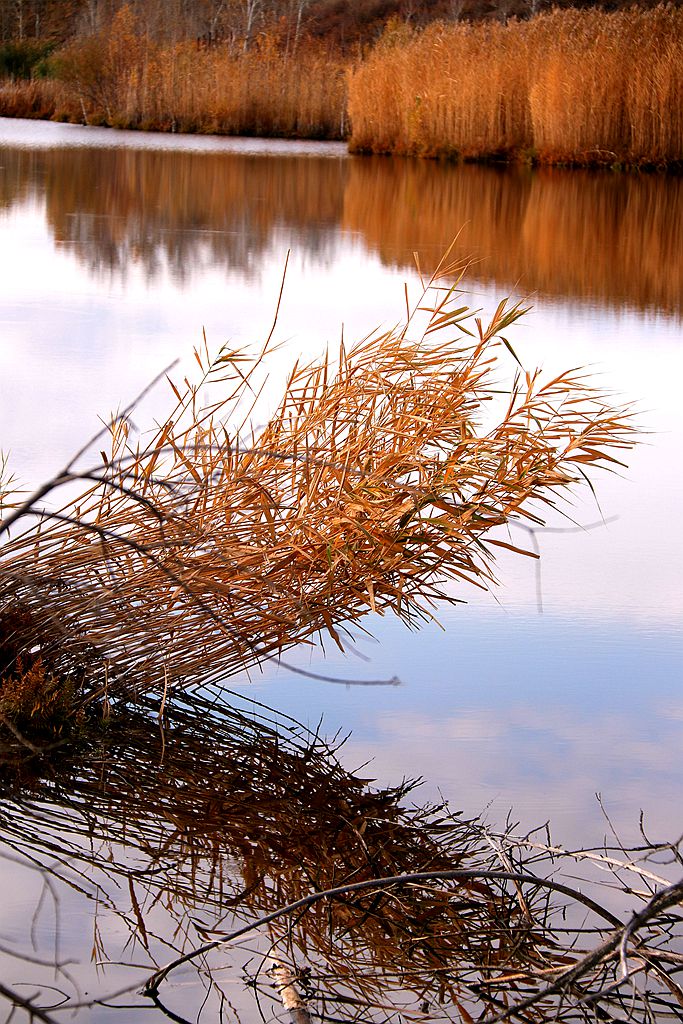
x,y
33,99
32,696
123,78
582,87
210,548
566,87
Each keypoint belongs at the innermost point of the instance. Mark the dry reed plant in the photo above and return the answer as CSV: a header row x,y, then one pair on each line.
x,y
376,484
573,86
451,90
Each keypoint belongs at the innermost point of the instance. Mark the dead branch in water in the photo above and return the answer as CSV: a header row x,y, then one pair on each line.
x,y
377,482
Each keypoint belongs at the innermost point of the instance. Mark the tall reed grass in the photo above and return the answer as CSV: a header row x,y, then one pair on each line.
x,y
124,79
572,86
261,92
41,99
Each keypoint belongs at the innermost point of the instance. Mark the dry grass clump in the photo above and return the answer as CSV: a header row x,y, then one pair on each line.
x,y
451,90
584,87
37,98
376,483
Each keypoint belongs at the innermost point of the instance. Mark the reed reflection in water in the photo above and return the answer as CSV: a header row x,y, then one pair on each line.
x,y
158,830
157,836
597,236
594,236
182,211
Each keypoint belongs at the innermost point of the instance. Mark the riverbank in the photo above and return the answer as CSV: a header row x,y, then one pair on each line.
x,y
575,88
570,87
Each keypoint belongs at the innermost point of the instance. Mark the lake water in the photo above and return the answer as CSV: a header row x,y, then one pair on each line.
x,y
118,249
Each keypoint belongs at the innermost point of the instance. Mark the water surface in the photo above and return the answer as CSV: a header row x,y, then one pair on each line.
x,y
118,249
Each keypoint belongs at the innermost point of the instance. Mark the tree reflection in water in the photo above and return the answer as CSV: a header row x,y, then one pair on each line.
x,y
152,836
596,236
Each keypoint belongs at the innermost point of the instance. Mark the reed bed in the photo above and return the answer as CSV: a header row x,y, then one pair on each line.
x,y
375,486
38,99
261,92
583,87
569,86
124,79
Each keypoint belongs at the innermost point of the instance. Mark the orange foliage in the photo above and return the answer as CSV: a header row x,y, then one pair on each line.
x,y
570,86
123,78
31,694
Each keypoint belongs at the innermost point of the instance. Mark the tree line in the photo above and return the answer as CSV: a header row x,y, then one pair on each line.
x,y
343,23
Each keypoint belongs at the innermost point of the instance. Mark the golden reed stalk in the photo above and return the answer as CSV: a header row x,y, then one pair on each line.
x,y
376,483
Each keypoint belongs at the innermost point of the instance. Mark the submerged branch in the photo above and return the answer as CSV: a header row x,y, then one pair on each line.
x,y
375,884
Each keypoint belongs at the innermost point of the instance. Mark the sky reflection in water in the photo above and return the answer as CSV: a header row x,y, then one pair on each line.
x,y
113,259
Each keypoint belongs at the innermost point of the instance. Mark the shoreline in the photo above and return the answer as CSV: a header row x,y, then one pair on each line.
x,y
565,88
255,143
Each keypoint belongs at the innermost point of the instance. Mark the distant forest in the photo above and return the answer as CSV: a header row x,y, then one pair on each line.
x,y
344,24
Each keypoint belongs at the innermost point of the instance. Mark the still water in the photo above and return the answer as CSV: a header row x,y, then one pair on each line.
x,y
118,249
